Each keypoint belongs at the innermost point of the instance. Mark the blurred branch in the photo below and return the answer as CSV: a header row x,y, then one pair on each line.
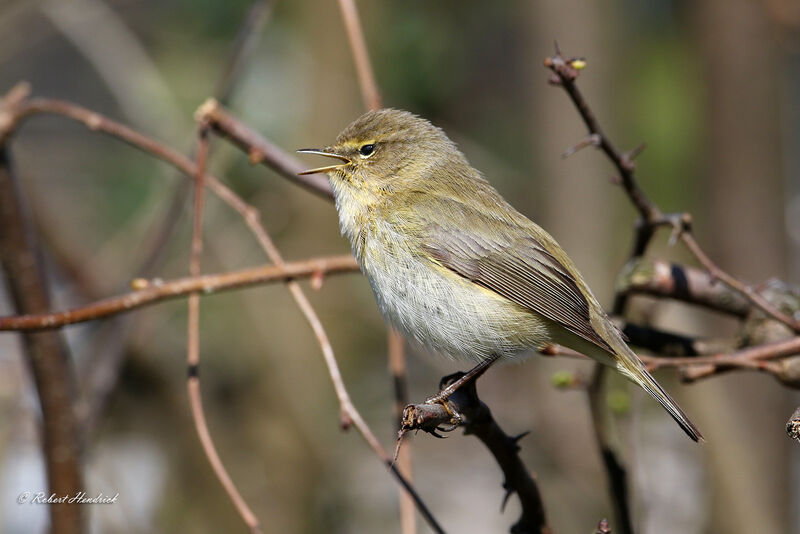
x,y
603,527
464,408
105,362
118,56
614,466
659,278
242,49
358,45
193,343
47,352
156,291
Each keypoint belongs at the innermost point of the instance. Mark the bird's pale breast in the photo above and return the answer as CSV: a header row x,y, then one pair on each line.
x,y
440,309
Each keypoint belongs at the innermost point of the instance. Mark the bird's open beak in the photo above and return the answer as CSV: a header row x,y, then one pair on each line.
x,y
323,152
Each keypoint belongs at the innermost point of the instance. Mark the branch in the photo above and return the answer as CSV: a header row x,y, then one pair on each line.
x,y
659,278
476,418
260,150
366,79
566,72
193,345
47,353
157,291
615,468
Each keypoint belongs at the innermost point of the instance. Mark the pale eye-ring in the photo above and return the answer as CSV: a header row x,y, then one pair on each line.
x,y
367,150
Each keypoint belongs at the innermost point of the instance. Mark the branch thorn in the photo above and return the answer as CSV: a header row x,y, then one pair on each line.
x,y
589,140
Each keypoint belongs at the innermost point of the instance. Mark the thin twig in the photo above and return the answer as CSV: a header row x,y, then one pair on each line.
x,y
260,150
747,357
358,45
396,352
193,345
566,74
157,291
397,368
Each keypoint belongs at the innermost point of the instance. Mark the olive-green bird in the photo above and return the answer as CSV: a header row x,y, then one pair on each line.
x,y
452,264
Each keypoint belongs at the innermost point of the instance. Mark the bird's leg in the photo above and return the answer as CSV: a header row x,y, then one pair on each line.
x,y
470,376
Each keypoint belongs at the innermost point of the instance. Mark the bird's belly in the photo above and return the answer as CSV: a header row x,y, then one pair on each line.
x,y
446,312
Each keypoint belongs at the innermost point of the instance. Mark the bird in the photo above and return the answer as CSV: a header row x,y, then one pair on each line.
x,y
452,264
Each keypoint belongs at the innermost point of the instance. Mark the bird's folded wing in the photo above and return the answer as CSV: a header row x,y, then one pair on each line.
x,y
509,260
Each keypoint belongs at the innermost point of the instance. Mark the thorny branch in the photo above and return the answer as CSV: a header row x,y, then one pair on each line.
x,y
678,285
464,408
565,74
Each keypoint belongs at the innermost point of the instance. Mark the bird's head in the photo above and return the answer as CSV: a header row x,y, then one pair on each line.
x,y
387,151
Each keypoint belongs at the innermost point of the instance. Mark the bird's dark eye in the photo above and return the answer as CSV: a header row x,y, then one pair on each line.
x,y
366,150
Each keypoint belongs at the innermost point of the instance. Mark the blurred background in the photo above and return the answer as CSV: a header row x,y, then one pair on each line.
x,y
712,86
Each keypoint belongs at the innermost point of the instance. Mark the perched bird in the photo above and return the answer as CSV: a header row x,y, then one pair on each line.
x,y
452,264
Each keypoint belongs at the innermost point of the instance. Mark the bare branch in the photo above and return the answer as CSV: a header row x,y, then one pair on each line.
x,y
566,72
687,284
157,291
260,150
47,353
464,408
193,344
358,45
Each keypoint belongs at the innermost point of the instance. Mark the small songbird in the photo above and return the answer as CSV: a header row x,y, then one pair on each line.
x,y
452,264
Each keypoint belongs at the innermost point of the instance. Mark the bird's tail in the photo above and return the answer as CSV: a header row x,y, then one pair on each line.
x,y
634,369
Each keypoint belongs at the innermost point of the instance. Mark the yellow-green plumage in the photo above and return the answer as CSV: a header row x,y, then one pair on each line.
x,y
452,264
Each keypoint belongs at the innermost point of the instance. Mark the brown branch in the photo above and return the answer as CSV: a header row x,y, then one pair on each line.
x,y
46,353
659,278
744,289
358,45
157,291
603,527
465,409
566,73
745,357
193,344
260,150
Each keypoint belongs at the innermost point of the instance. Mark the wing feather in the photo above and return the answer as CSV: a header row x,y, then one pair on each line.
x,y
504,256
